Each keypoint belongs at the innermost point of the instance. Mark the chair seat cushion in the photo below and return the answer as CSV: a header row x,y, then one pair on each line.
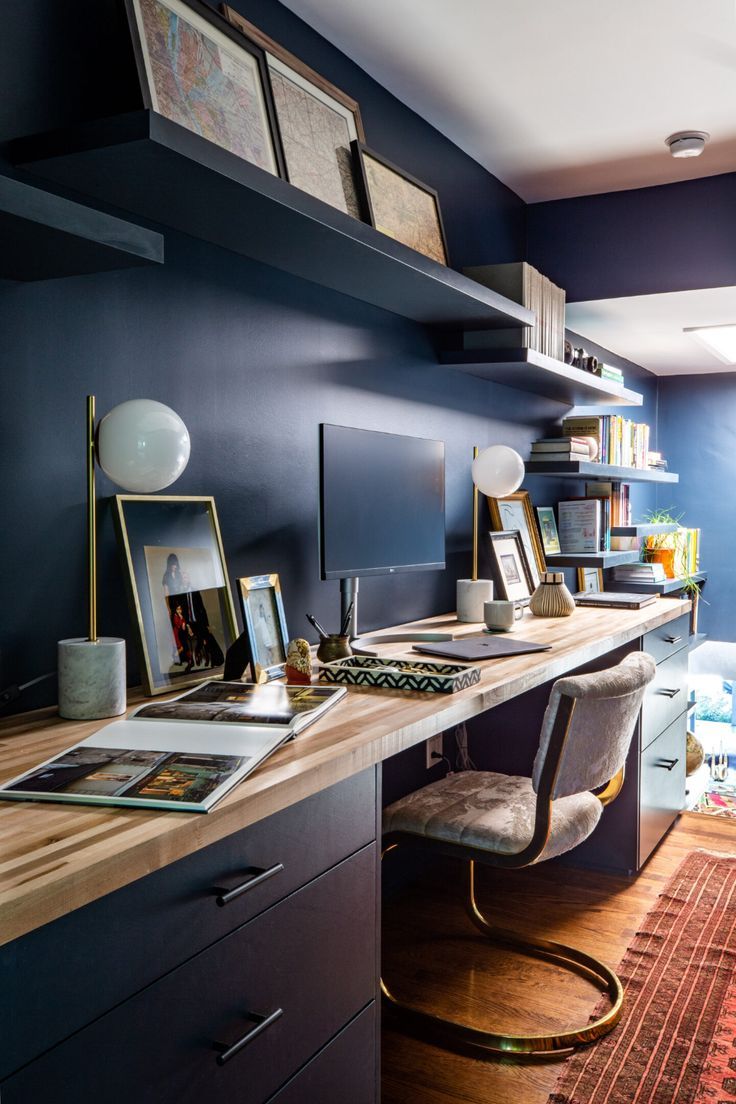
x,y
491,812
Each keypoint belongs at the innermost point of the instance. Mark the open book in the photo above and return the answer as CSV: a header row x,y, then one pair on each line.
x,y
183,754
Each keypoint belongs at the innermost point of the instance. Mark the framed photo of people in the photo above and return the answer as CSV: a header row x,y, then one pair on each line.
x,y
515,511
180,599
510,567
265,625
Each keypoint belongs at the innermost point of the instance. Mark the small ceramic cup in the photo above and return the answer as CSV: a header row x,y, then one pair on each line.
x,y
500,616
334,646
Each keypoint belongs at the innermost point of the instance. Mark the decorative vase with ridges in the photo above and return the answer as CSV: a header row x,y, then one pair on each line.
x,y
552,598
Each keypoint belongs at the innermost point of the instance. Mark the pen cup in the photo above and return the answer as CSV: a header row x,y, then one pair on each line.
x,y
334,646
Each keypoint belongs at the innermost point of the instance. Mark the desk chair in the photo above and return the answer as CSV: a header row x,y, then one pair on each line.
x,y
507,821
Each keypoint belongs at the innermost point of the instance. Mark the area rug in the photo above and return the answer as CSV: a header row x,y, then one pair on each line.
x,y
676,1042
717,803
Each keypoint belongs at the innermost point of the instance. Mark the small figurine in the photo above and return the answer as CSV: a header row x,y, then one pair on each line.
x,y
298,666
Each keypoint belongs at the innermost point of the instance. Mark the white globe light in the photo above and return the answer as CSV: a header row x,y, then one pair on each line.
x,y
498,471
142,445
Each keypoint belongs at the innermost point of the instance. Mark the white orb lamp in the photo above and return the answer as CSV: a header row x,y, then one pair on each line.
x,y
143,446
497,471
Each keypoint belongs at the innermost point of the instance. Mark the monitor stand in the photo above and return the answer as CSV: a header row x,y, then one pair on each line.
x,y
349,601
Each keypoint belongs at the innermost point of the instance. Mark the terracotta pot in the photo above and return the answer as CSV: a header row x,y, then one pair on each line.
x,y
665,556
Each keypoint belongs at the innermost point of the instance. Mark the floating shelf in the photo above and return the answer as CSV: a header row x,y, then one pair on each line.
x,y
588,469
528,370
669,586
591,559
146,164
645,529
45,236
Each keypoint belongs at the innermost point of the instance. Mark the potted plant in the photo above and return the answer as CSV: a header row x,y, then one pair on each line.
x,y
661,547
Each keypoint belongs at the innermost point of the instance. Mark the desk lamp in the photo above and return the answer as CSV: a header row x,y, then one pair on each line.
x,y
497,471
143,446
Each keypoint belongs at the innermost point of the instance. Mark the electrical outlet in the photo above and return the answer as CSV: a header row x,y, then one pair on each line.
x,y
432,745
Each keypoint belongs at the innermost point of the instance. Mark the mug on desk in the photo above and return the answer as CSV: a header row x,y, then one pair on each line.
x,y
500,616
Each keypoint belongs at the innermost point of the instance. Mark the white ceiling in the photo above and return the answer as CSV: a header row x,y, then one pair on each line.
x,y
555,97
648,328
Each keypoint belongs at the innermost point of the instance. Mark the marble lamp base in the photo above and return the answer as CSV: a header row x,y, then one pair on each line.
x,y
471,594
91,678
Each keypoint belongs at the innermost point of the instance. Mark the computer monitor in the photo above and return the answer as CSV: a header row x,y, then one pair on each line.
x,y
382,506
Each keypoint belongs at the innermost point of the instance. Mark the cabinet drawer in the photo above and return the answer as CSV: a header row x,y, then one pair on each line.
x,y
68,973
312,957
665,697
667,639
662,785
345,1072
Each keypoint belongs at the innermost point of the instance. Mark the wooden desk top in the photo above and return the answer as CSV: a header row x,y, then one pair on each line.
x,y
56,858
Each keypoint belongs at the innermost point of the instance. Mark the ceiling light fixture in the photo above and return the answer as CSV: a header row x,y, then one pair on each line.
x,y
687,143
719,340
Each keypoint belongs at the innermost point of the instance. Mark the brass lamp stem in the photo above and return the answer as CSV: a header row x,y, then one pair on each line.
x,y
474,575
91,520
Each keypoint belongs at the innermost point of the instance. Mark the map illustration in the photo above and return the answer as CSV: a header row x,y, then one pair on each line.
x,y
404,211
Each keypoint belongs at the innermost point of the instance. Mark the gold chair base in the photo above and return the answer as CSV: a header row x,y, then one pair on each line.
x,y
494,1042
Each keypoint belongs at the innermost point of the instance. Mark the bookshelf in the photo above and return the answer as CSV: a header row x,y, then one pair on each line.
x,y
144,163
589,469
642,529
669,586
531,371
45,236
591,559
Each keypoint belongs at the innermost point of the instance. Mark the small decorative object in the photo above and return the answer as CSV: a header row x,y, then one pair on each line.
x,y
501,615
719,766
317,122
177,586
196,70
548,528
140,445
298,666
265,625
514,578
695,755
399,205
590,580
515,511
569,352
592,444
552,598
334,646
401,674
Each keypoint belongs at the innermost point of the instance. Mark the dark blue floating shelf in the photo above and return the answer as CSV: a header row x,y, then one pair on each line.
x,y
588,469
45,236
144,163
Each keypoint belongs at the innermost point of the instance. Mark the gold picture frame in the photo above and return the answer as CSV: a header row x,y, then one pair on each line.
x,y
265,625
515,511
590,580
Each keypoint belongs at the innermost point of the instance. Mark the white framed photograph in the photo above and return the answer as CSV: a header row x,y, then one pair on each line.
x,y
511,569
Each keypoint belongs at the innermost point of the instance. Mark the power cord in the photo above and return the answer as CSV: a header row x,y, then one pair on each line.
x,y
12,693
464,762
437,755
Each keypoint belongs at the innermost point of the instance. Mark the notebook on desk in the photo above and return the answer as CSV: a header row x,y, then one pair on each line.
x,y
474,648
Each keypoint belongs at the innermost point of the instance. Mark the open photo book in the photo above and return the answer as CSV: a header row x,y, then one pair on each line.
x,y
183,754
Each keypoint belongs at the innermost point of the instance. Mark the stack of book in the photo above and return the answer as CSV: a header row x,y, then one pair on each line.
x,y
608,372
524,284
656,461
640,573
616,506
620,440
556,449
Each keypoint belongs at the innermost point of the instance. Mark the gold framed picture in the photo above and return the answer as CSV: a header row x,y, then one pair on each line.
x,y
590,580
515,511
265,625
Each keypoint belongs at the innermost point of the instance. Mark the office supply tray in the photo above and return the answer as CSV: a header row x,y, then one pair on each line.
x,y
388,673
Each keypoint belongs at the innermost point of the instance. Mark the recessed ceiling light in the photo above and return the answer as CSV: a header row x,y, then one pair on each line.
x,y
687,143
719,340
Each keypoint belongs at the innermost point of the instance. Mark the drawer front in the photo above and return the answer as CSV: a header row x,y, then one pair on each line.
x,y
665,698
662,786
345,1072
312,957
107,946
667,639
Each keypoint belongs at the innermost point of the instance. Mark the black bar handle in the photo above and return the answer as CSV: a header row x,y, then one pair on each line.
x,y
225,896
668,764
669,693
673,639
262,1022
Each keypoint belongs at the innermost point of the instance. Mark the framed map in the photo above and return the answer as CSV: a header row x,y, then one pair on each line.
x,y
317,123
195,70
401,206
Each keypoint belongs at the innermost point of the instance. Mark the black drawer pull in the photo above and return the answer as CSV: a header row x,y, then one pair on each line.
x,y
668,693
673,639
261,1022
668,764
225,896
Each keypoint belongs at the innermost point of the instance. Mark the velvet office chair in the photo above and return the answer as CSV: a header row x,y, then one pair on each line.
x,y
508,821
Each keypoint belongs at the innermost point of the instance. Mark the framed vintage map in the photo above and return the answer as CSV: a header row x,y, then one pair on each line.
x,y
401,206
197,71
317,123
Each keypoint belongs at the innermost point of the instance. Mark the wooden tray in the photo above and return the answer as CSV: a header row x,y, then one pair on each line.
x,y
387,673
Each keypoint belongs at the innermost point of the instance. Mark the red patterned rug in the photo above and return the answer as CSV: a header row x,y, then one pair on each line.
x,y
676,1042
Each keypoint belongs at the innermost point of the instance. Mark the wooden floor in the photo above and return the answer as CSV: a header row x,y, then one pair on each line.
x,y
595,912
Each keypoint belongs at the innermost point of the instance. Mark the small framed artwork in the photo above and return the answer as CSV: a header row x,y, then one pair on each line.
x,y
265,625
548,529
515,511
513,577
401,206
317,122
197,71
590,580
177,586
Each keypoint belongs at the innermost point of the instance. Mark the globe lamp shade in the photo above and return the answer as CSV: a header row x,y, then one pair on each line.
x,y
498,471
142,445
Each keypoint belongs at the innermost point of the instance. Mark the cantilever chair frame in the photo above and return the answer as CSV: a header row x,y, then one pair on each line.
x,y
568,957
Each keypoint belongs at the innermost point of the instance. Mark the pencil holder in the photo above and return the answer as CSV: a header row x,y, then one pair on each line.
x,y
334,646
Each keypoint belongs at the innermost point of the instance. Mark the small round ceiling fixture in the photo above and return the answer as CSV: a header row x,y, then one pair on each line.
x,y
687,143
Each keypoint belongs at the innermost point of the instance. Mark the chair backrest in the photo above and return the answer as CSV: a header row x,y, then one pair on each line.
x,y
606,705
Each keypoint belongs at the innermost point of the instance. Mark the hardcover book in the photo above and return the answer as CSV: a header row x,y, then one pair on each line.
x,y
183,754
